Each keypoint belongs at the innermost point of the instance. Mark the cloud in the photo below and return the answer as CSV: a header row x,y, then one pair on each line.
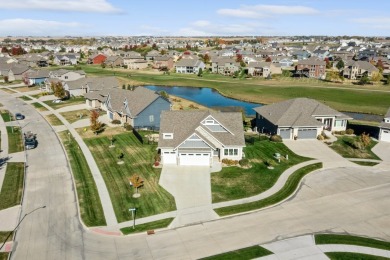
x,y
264,11
374,22
201,23
38,27
93,6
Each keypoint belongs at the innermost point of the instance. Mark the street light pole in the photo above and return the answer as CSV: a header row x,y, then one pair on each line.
x,y
25,215
133,213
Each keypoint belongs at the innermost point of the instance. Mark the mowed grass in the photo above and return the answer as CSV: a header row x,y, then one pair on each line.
x,y
241,254
73,116
235,182
70,102
4,256
323,239
163,223
25,98
39,106
5,114
289,187
91,210
12,189
346,97
138,159
15,142
53,120
353,256
342,147
362,163
4,235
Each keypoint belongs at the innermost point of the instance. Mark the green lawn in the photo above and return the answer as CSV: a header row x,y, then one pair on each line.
x,y
163,223
290,186
70,102
366,163
89,201
342,147
15,141
25,98
241,254
346,97
53,120
5,114
4,235
235,183
323,239
138,159
39,107
73,116
352,256
4,256
12,190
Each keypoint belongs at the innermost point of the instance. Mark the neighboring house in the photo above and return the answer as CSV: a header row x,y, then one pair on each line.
x,y
140,107
67,75
19,70
64,60
135,64
97,99
152,54
189,66
263,69
163,62
8,73
85,85
200,137
284,62
384,128
311,68
114,61
225,66
301,55
97,59
321,54
302,118
36,77
356,69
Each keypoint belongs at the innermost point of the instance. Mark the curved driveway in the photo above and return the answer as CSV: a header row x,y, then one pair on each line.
x,y
351,200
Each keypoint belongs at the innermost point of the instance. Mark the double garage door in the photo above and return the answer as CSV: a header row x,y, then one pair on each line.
x,y
195,159
307,133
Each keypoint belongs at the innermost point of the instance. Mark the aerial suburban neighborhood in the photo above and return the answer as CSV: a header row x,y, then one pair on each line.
x,y
232,134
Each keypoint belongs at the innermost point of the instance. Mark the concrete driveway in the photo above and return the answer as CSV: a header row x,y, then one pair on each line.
x,y
382,149
318,150
191,187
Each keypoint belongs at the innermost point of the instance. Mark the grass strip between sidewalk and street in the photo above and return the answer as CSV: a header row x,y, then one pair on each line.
x,y
241,254
323,239
162,223
15,142
39,106
353,256
53,120
289,187
25,98
91,209
4,256
4,234
363,163
5,114
12,190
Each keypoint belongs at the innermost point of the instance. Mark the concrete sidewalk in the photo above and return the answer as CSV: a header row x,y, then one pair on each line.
x,y
304,247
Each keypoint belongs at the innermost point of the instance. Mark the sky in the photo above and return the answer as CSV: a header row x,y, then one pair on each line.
x,y
194,18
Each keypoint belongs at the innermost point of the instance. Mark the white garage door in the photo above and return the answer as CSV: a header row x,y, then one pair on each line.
x,y
194,159
169,158
307,133
385,135
285,133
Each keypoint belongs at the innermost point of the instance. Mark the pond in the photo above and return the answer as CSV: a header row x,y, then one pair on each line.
x,y
207,97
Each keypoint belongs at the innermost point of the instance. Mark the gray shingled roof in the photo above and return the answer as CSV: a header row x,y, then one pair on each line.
x,y
188,63
19,69
259,64
185,123
137,100
38,74
61,72
297,112
94,84
97,95
365,65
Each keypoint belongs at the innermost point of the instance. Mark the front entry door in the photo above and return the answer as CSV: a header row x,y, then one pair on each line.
x,y
328,123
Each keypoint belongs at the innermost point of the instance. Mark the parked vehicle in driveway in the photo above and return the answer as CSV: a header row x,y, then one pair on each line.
x,y
19,116
30,140
57,101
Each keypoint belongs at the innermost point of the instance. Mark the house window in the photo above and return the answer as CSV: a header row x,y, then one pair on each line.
x,y
231,152
66,77
209,122
151,118
167,136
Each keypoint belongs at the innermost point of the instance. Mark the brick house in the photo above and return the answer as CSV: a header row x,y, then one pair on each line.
x,y
97,59
311,68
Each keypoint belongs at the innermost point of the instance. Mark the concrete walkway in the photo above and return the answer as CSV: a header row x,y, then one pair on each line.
x,y
275,188
100,184
304,247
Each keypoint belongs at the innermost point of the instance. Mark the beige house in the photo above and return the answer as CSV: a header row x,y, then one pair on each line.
x,y
225,66
263,69
356,69
135,64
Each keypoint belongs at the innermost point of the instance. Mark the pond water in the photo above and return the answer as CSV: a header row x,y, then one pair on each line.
x,y
207,97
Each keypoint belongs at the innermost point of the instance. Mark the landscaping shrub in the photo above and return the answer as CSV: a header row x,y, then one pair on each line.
x,y
276,138
229,162
128,127
365,139
349,131
157,158
339,132
320,137
269,162
355,144
156,163
244,162
116,122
